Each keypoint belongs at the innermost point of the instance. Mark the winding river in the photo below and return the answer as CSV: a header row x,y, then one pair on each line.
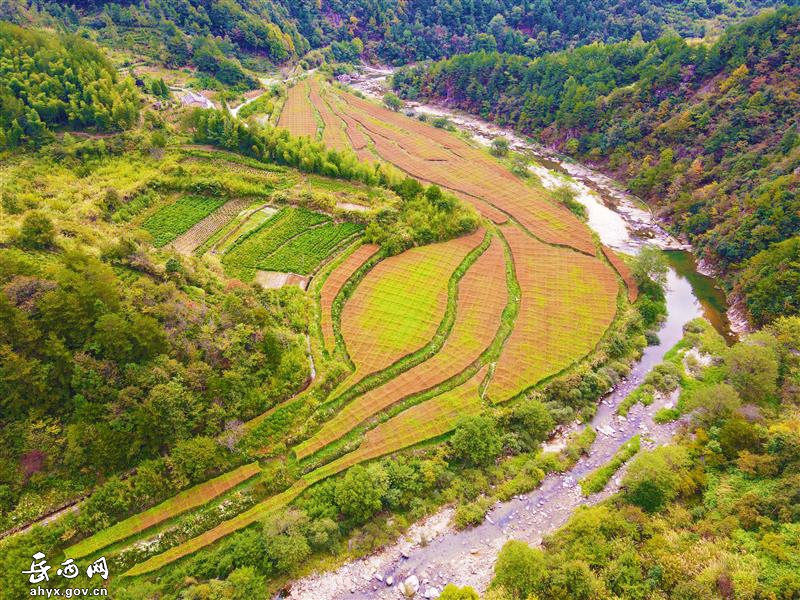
x,y
432,553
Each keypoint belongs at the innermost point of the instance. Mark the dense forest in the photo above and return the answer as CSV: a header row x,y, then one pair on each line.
x,y
215,36
49,82
402,32
708,134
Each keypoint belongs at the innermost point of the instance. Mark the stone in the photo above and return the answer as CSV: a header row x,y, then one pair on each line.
x,y
432,592
410,586
389,580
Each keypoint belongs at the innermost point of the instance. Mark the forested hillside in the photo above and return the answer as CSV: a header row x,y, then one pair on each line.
x,y
402,32
48,82
216,35
708,134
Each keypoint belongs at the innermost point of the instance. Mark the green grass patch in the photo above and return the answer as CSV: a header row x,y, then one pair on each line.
x,y
174,219
596,481
666,415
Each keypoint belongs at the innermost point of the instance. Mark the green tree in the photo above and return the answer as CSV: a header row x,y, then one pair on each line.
x,y
193,460
753,371
451,592
392,102
519,570
286,544
650,265
246,583
531,421
476,440
360,493
37,231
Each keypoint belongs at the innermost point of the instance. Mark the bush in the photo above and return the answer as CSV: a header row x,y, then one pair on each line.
x,y
37,232
519,570
658,477
476,440
471,514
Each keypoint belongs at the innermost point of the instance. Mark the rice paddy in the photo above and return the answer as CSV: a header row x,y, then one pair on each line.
x,y
298,114
333,285
624,272
415,425
183,502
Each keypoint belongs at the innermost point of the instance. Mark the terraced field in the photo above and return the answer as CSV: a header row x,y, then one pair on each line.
x,y
333,133
256,513
568,301
624,272
178,217
298,113
398,306
535,302
333,285
302,253
415,425
183,502
201,231
439,157
482,296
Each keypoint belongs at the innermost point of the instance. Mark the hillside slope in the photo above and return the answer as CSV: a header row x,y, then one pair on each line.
x,y
175,31
707,134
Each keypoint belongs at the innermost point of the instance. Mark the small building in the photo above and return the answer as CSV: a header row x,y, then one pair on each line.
x,y
194,99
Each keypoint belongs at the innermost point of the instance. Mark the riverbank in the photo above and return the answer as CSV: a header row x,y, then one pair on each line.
x,y
621,220
436,553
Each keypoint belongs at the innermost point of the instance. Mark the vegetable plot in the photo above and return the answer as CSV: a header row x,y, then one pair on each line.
x,y
303,253
251,250
176,218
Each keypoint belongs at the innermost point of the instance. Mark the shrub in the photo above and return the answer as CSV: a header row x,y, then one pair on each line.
x,y
37,232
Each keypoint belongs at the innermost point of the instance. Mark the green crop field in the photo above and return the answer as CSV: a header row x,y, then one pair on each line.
x,y
249,252
176,218
303,253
